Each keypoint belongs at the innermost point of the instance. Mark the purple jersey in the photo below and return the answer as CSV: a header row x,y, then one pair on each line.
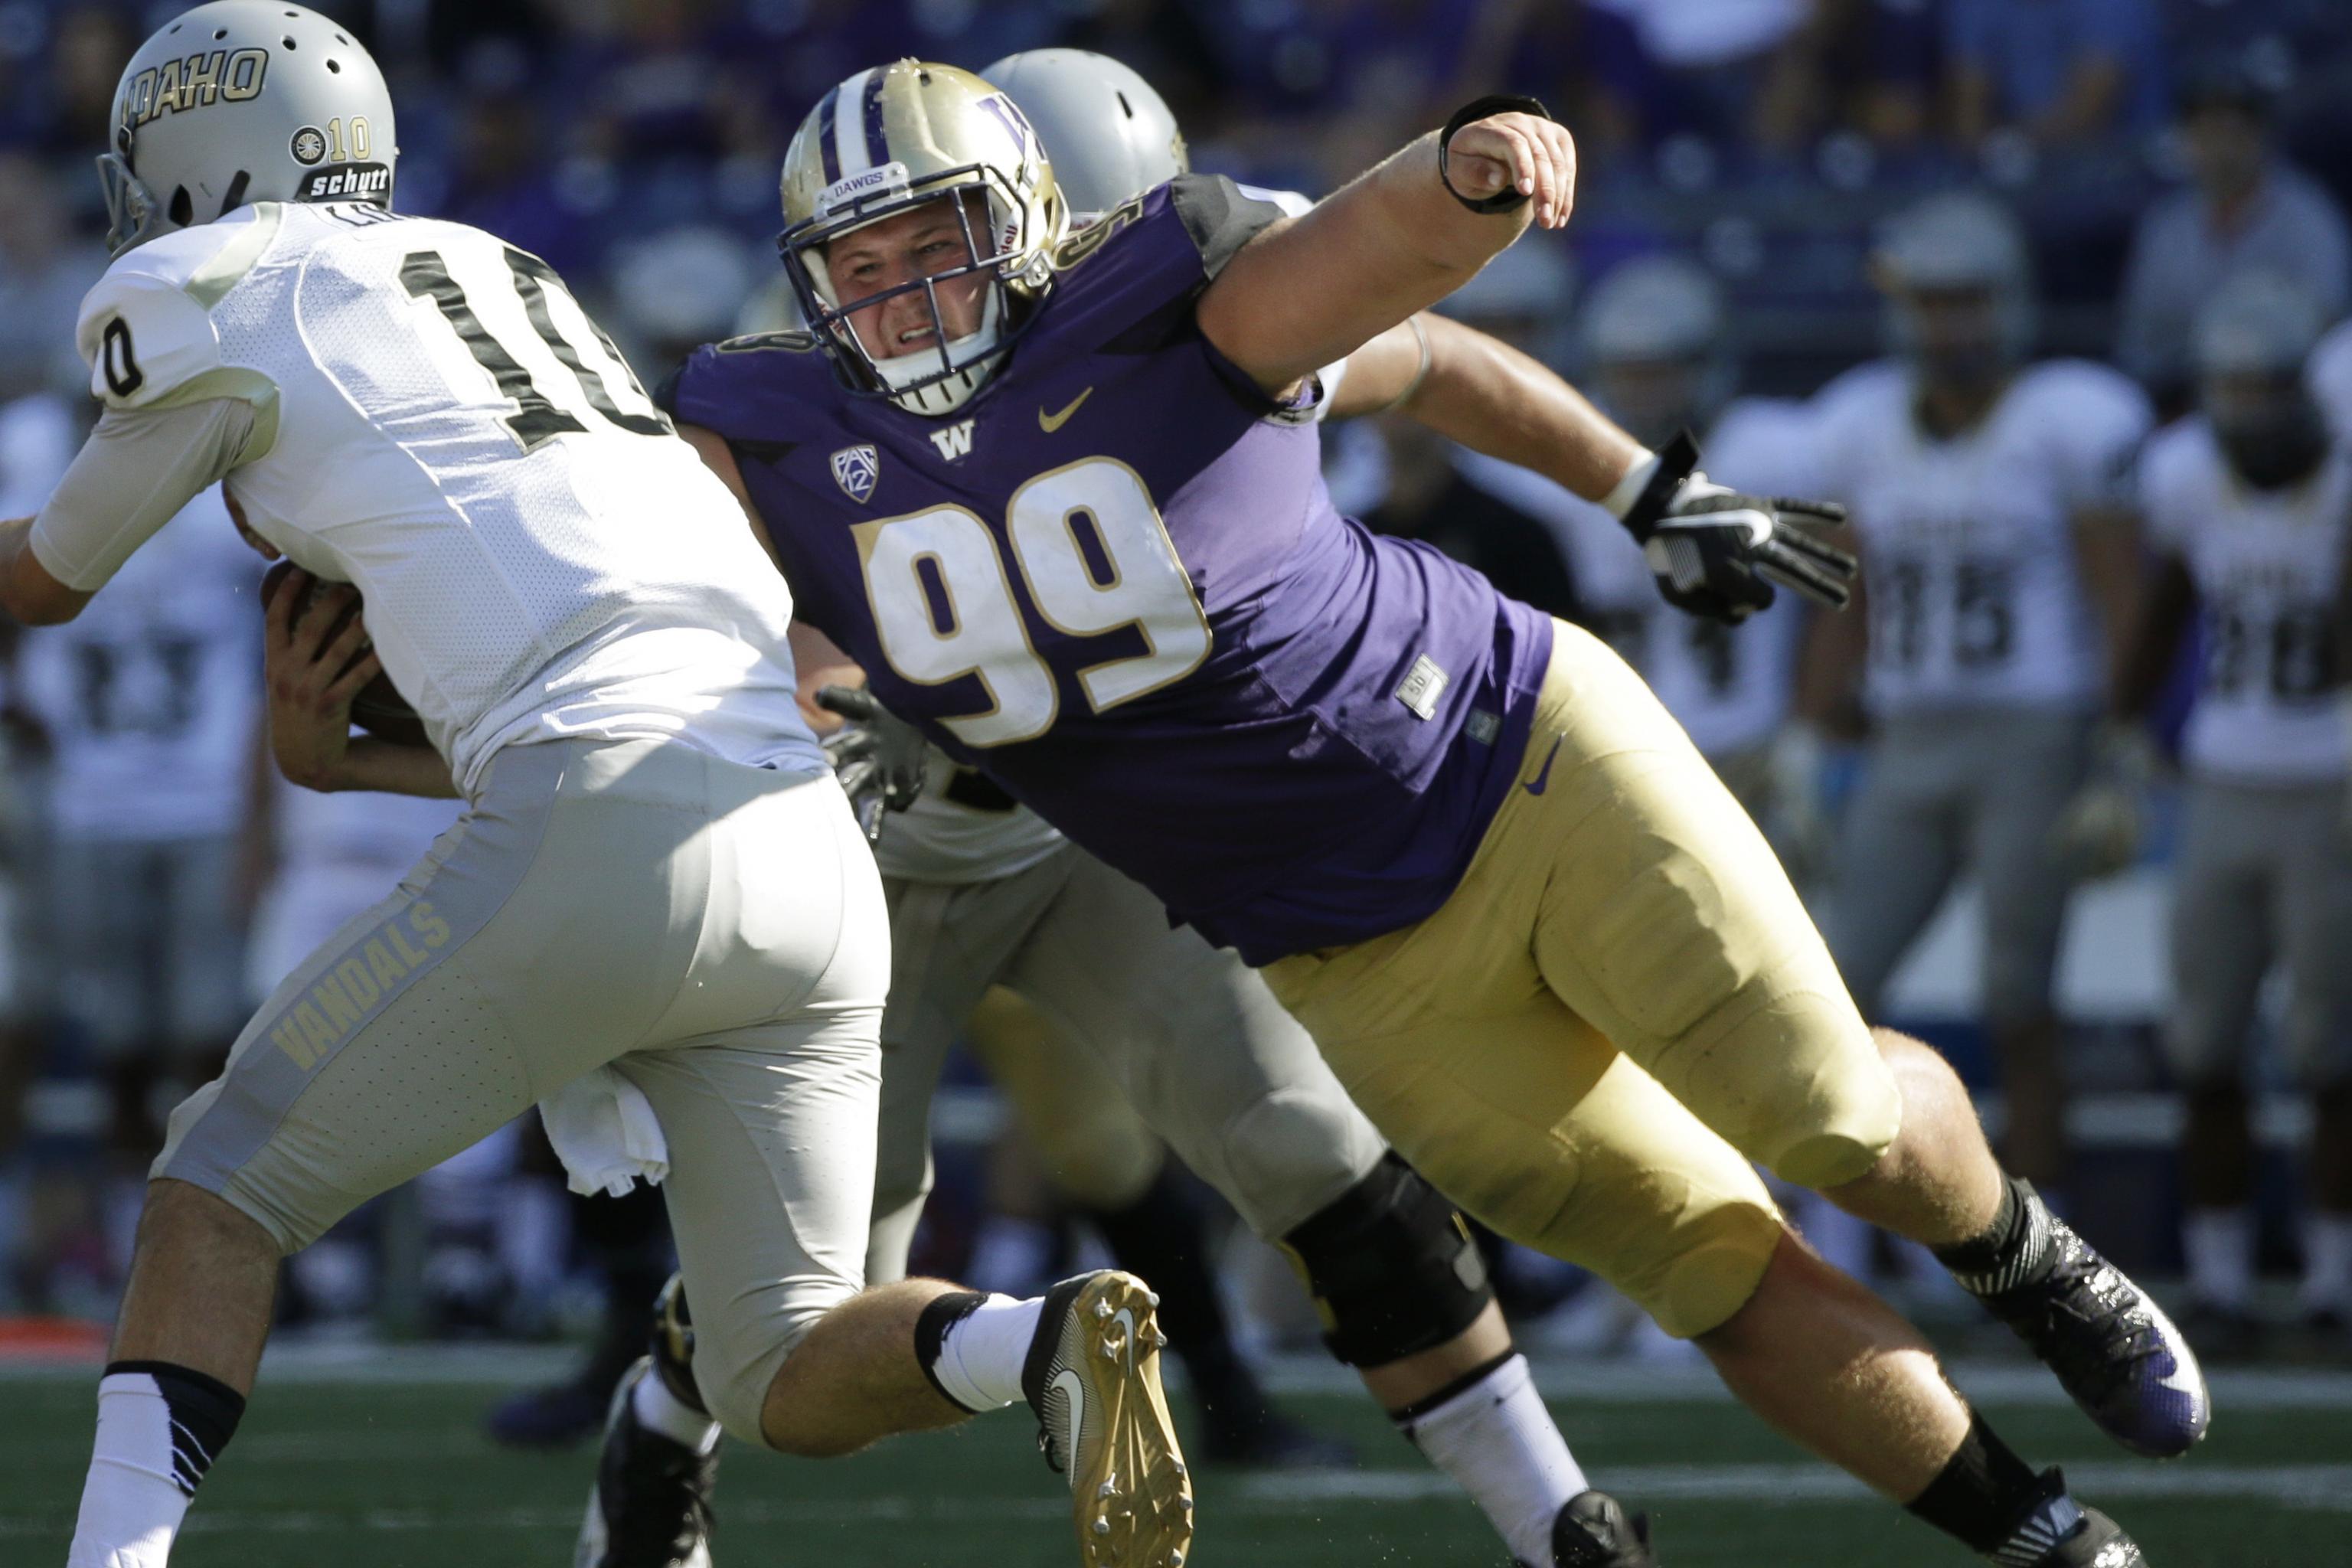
x,y
1115,583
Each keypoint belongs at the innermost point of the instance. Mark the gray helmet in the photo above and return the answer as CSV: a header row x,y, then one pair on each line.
x,y
239,102
1960,240
2257,322
1656,308
1109,135
1661,317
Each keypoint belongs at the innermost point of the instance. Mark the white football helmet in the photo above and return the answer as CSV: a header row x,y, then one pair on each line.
x,y
241,101
1110,134
1654,333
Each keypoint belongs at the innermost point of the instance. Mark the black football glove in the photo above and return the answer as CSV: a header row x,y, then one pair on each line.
x,y
1717,553
877,757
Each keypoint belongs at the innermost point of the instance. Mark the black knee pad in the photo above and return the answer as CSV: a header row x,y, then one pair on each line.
x,y
1392,1267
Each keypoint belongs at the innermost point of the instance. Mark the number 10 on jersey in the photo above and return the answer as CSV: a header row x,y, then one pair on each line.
x,y
1097,558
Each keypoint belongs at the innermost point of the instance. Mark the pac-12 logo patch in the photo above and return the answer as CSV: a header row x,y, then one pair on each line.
x,y
856,470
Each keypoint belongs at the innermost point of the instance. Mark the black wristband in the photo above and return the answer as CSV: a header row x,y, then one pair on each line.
x,y
1677,460
1509,197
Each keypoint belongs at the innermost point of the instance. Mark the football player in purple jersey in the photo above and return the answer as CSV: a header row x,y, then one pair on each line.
x,y
1059,498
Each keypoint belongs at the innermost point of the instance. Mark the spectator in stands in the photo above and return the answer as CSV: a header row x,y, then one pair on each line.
x,y
1726,69
2244,209
2064,72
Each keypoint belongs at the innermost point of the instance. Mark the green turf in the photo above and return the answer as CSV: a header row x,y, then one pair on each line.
x,y
372,1476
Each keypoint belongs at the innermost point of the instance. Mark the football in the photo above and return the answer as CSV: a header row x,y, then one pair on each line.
x,y
379,709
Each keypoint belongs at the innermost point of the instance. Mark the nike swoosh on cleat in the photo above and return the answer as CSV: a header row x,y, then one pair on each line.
x,y
1542,780
1074,1389
1049,423
1125,1319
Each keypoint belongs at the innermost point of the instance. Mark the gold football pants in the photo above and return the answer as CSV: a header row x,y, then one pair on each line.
x,y
1622,1004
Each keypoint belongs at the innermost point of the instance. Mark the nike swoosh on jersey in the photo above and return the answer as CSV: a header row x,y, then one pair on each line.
x,y
1049,423
1074,1389
1542,780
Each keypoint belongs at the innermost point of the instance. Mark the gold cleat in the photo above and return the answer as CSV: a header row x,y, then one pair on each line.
x,y
1093,1378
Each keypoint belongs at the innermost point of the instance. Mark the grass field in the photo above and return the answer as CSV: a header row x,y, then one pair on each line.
x,y
382,1466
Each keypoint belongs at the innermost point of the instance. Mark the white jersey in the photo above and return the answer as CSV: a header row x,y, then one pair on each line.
x,y
151,697
2330,373
2266,566
1728,686
1968,545
541,557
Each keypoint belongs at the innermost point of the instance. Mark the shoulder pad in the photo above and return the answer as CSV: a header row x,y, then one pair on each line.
x,y
747,387
1219,217
146,329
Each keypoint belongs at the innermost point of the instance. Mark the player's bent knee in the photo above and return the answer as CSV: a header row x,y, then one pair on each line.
x,y
740,1352
1392,1268
1293,1152
1840,1120
1714,1267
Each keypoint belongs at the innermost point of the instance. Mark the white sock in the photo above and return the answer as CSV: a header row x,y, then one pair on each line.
x,y
2327,1262
2220,1247
132,1504
981,1353
1497,1441
656,1407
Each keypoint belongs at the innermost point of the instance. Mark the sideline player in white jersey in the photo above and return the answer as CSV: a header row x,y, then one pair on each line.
x,y
984,892
1983,490
1656,346
656,870
2248,510
151,704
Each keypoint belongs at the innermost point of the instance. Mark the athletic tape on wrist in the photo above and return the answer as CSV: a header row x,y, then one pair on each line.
x,y
1510,196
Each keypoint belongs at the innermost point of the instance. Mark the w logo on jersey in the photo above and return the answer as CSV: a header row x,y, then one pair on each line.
x,y
856,470
955,441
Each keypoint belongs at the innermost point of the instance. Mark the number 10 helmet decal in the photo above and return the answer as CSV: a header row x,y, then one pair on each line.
x,y
892,138
241,101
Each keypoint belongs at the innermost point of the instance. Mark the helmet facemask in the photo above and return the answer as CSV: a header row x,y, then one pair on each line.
x,y
945,374
891,140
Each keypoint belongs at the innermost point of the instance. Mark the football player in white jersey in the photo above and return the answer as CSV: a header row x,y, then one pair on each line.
x,y
656,870
2248,510
1657,347
151,704
1983,492
982,891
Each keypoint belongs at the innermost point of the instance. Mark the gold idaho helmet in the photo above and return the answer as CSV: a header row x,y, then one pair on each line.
x,y
893,138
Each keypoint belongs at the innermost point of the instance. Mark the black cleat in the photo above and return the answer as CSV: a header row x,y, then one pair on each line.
x,y
2059,1532
2113,1349
1593,1531
651,1508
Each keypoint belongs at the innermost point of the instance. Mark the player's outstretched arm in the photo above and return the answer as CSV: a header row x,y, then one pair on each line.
x,y
1478,391
27,590
1310,291
313,664
138,469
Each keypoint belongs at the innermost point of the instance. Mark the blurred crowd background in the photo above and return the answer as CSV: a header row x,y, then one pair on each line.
x,y
2146,149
